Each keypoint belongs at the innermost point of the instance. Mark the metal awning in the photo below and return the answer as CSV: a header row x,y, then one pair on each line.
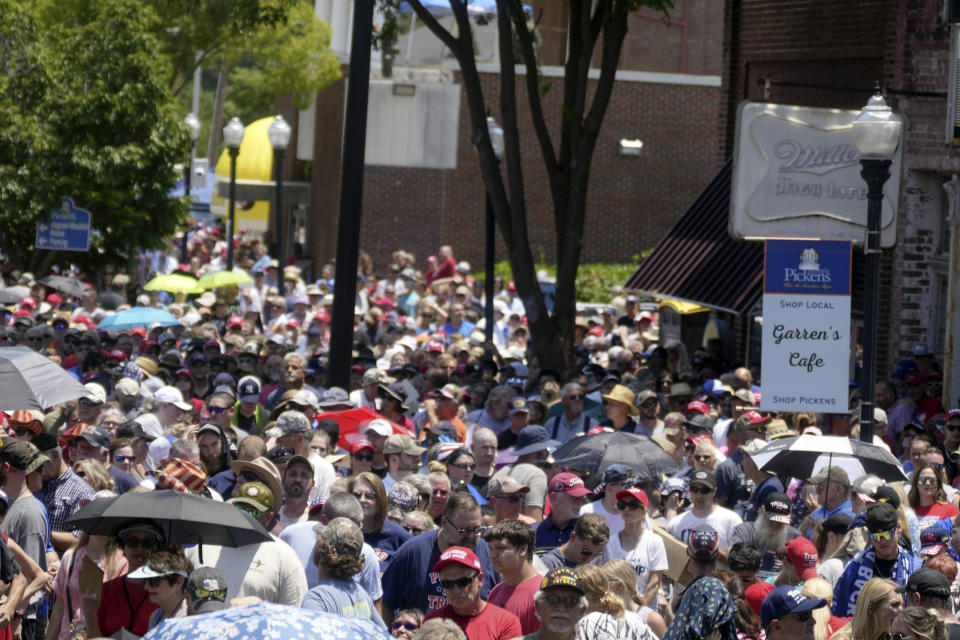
x,y
697,261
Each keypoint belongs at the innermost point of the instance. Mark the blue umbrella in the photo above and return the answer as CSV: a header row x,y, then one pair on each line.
x,y
267,621
138,317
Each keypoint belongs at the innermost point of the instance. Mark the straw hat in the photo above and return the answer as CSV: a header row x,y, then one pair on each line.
x,y
620,393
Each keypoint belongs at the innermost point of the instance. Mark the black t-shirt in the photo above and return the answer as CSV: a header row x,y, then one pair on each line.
x,y
883,568
953,631
506,439
480,482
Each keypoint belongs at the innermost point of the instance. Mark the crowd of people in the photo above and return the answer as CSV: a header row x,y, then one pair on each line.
x,y
442,512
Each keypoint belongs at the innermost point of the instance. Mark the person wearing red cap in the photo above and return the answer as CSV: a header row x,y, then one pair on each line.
x,y
461,577
638,544
566,493
926,405
801,564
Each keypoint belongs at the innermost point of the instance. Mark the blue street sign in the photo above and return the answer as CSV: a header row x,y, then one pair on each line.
x,y
68,229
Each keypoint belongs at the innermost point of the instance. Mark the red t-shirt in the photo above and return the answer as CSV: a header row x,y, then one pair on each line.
x,y
492,623
936,511
518,600
124,604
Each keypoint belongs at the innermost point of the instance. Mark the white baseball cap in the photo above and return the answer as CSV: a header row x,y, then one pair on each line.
x,y
172,395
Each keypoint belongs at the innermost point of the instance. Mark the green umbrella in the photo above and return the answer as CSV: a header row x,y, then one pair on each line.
x,y
174,283
223,279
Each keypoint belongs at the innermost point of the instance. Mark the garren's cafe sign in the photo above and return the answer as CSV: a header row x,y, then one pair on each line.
x,y
796,174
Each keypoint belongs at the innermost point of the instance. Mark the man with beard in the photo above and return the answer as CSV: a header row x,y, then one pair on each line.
x,y
560,604
297,484
402,454
410,580
293,430
769,532
214,448
883,558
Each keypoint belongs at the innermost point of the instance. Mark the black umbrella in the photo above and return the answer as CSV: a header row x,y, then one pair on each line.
x,y
69,286
29,380
594,453
183,517
807,455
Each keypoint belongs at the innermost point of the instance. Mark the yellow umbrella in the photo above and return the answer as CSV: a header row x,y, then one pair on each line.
x,y
223,279
174,283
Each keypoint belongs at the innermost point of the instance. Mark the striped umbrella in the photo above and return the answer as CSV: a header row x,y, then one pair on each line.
x,y
807,455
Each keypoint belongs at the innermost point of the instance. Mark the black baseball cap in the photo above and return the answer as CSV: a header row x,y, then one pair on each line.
x,y
706,477
882,516
927,582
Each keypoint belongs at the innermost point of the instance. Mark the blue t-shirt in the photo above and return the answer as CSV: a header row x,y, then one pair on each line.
x,y
386,542
549,536
410,582
732,483
123,480
223,483
343,598
302,537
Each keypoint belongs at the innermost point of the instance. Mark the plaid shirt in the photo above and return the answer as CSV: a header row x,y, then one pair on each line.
x,y
61,496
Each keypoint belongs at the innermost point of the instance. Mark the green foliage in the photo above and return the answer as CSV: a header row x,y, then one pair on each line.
x,y
292,58
594,280
85,112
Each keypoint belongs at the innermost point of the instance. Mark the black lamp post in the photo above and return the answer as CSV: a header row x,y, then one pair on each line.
x,y
232,137
279,134
496,140
194,125
876,132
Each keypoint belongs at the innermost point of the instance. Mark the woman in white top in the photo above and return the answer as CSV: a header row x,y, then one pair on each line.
x,y
637,544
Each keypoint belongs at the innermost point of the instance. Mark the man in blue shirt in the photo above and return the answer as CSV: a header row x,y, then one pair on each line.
x,y
883,558
566,492
410,581
833,487
457,323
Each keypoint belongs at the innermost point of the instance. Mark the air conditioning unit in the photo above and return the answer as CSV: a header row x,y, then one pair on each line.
x,y
952,129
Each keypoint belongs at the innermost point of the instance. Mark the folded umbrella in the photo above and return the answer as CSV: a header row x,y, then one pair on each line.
x,y
138,317
807,455
594,453
268,621
183,517
29,380
69,286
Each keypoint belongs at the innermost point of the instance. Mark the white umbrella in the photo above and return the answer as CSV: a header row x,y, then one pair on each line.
x,y
807,455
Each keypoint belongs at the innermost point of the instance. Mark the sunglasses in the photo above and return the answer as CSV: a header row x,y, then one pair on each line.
x,y
576,398
363,457
140,543
952,427
249,476
466,466
632,505
256,513
123,459
218,594
217,409
22,431
883,535
364,495
558,601
409,626
803,617
701,490
460,583
154,582
648,404
84,402
926,481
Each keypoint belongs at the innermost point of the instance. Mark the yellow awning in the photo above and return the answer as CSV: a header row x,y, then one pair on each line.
x,y
682,307
254,163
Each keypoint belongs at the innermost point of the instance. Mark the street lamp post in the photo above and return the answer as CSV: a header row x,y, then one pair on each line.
x,y
876,132
496,140
279,134
232,137
193,123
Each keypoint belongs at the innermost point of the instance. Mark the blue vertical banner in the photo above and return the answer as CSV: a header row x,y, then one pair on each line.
x,y
806,325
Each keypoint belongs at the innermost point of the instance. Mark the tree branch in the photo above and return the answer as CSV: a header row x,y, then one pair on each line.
x,y
431,23
508,112
533,91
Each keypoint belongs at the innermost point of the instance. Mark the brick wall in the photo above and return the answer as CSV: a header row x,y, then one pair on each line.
x,y
632,200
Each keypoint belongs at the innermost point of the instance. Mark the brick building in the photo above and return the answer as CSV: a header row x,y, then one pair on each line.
x,y
422,185
827,54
